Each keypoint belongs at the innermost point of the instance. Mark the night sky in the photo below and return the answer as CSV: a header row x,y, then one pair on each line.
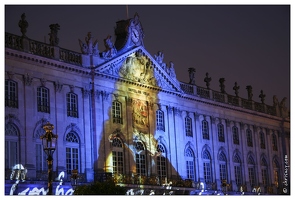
x,y
247,44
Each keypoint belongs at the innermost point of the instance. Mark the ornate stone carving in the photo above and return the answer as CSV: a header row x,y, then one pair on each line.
x,y
86,93
110,50
43,81
105,95
140,114
90,48
53,34
207,79
23,24
10,75
27,79
58,86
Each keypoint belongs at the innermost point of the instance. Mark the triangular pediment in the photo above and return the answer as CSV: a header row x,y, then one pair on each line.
x,y
138,66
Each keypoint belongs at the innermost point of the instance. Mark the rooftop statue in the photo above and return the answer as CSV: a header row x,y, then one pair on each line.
x,y
250,94
53,34
262,96
110,50
236,89
89,47
23,24
191,72
207,79
222,86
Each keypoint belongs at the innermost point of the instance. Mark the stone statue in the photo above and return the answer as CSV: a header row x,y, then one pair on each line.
x,y
250,94
110,50
283,108
222,86
275,101
191,72
171,70
236,89
53,34
159,57
262,96
23,24
207,79
89,48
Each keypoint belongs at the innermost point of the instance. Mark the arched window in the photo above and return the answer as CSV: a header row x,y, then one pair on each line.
x,y
274,142
222,166
262,140
11,145
264,171
220,129
11,94
117,112
207,166
236,139
72,105
118,156
249,138
205,130
188,127
238,169
43,100
72,152
190,164
161,161
160,120
251,171
140,158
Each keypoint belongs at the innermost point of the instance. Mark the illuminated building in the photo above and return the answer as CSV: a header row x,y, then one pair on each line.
x,y
123,112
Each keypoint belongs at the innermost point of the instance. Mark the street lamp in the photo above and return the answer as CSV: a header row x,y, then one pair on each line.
x,y
49,143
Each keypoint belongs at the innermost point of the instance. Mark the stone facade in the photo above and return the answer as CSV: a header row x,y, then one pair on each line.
x,y
123,112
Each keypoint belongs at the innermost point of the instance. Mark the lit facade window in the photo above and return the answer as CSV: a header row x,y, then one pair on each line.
x,y
11,145
188,127
190,164
222,166
72,152
160,120
117,112
43,100
220,129
11,94
264,172
205,130
262,140
72,105
161,161
274,142
249,138
118,158
238,170
41,163
251,171
140,159
207,166
236,139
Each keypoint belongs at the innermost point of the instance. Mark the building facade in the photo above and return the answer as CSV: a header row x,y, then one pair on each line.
x,y
122,112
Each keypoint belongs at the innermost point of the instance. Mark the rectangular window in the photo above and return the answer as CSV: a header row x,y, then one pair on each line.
x,y
117,162
251,176
205,130
41,163
11,94
11,154
72,159
160,120
238,175
161,166
264,176
207,172
188,127
116,112
190,170
43,100
223,172
140,164
72,105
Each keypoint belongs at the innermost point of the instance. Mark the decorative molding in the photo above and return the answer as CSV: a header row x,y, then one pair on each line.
x,y
43,81
27,79
10,75
58,86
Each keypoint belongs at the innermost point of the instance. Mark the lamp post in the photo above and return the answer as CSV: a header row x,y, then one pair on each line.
x,y
49,143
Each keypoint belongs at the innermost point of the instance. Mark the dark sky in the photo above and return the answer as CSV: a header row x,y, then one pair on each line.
x,y
247,44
